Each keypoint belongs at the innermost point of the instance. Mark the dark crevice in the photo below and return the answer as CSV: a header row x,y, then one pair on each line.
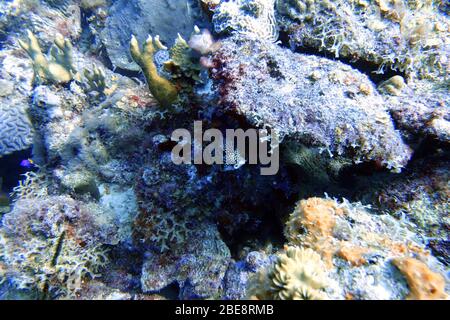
x,y
268,229
427,147
11,170
252,218
171,292
125,268
104,57
3,38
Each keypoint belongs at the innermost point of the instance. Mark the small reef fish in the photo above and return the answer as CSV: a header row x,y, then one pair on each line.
x,y
28,163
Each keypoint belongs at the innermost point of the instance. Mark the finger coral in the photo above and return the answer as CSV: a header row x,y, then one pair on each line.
x,y
57,67
95,82
166,18
162,89
181,63
297,274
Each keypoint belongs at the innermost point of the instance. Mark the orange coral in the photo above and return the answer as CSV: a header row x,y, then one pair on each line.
x,y
313,223
353,254
423,283
318,217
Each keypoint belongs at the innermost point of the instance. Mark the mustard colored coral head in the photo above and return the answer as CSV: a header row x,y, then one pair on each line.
x,y
164,91
297,274
57,67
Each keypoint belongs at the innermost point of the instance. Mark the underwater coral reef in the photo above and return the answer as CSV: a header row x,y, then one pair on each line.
x,y
350,99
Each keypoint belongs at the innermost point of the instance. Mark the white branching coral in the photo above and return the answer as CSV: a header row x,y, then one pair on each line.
x,y
254,19
169,231
297,274
33,185
52,245
56,266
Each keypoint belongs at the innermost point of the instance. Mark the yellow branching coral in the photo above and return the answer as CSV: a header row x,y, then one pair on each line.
x,y
162,89
57,67
94,83
297,274
95,79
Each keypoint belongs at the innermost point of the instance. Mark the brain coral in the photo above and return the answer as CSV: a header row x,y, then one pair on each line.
x,y
297,274
250,18
16,131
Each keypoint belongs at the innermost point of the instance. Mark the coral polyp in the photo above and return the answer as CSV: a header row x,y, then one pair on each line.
x,y
297,274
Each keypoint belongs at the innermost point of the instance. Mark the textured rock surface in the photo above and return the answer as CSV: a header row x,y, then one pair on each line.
x,y
108,202
198,268
358,247
420,197
236,279
410,36
319,102
53,244
44,20
422,109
